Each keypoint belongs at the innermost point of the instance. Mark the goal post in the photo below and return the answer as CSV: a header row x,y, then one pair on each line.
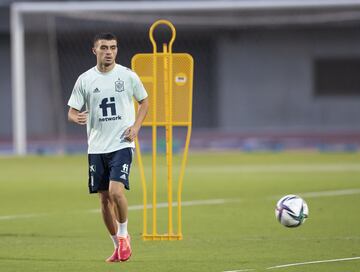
x,y
18,81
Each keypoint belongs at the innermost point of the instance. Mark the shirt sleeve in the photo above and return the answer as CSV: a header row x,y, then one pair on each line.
x,y
139,90
77,98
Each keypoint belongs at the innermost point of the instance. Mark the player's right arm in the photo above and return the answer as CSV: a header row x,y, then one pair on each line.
x,y
76,102
77,117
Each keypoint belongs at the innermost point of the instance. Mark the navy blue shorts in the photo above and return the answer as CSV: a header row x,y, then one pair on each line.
x,y
109,166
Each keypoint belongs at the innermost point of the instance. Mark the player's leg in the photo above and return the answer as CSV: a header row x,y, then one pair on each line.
x,y
99,183
107,212
117,194
119,173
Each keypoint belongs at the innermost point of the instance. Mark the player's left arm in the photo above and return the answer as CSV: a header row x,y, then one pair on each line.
x,y
132,132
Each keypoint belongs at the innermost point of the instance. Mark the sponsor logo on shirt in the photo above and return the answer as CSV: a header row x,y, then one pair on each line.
x,y
114,118
108,103
105,104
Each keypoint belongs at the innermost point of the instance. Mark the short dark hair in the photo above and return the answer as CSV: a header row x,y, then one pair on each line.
x,y
104,36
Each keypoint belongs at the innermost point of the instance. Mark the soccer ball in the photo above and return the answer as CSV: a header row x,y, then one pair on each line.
x,y
291,211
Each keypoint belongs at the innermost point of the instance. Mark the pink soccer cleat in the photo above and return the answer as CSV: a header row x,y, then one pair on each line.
x,y
124,251
114,257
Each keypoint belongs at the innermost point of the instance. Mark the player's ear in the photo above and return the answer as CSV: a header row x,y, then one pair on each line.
x,y
94,51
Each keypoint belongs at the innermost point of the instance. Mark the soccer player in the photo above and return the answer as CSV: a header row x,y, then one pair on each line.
x,y
107,91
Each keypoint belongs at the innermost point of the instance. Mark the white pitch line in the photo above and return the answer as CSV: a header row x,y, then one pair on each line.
x,y
313,262
352,191
183,204
276,168
202,202
135,207
20,216
241,270
332,193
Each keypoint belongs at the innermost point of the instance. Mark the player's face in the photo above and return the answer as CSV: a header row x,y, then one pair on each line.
x,y
105,51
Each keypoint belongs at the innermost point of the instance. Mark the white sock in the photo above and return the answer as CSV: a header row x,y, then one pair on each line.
x,y
122,229
115,240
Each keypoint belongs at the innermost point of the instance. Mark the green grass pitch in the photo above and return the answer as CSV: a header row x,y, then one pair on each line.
x,y
48,222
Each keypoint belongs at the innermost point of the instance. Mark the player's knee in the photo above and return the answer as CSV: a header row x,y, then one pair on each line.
x,y
116,195
105,203
105,200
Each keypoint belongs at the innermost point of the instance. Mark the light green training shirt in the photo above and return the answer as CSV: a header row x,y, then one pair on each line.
x,y
109,99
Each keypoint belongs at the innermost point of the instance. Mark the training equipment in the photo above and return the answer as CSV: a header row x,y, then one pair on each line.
x,y
168,79
291,211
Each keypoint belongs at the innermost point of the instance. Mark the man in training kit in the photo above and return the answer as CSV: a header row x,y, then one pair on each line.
x,y
107,91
